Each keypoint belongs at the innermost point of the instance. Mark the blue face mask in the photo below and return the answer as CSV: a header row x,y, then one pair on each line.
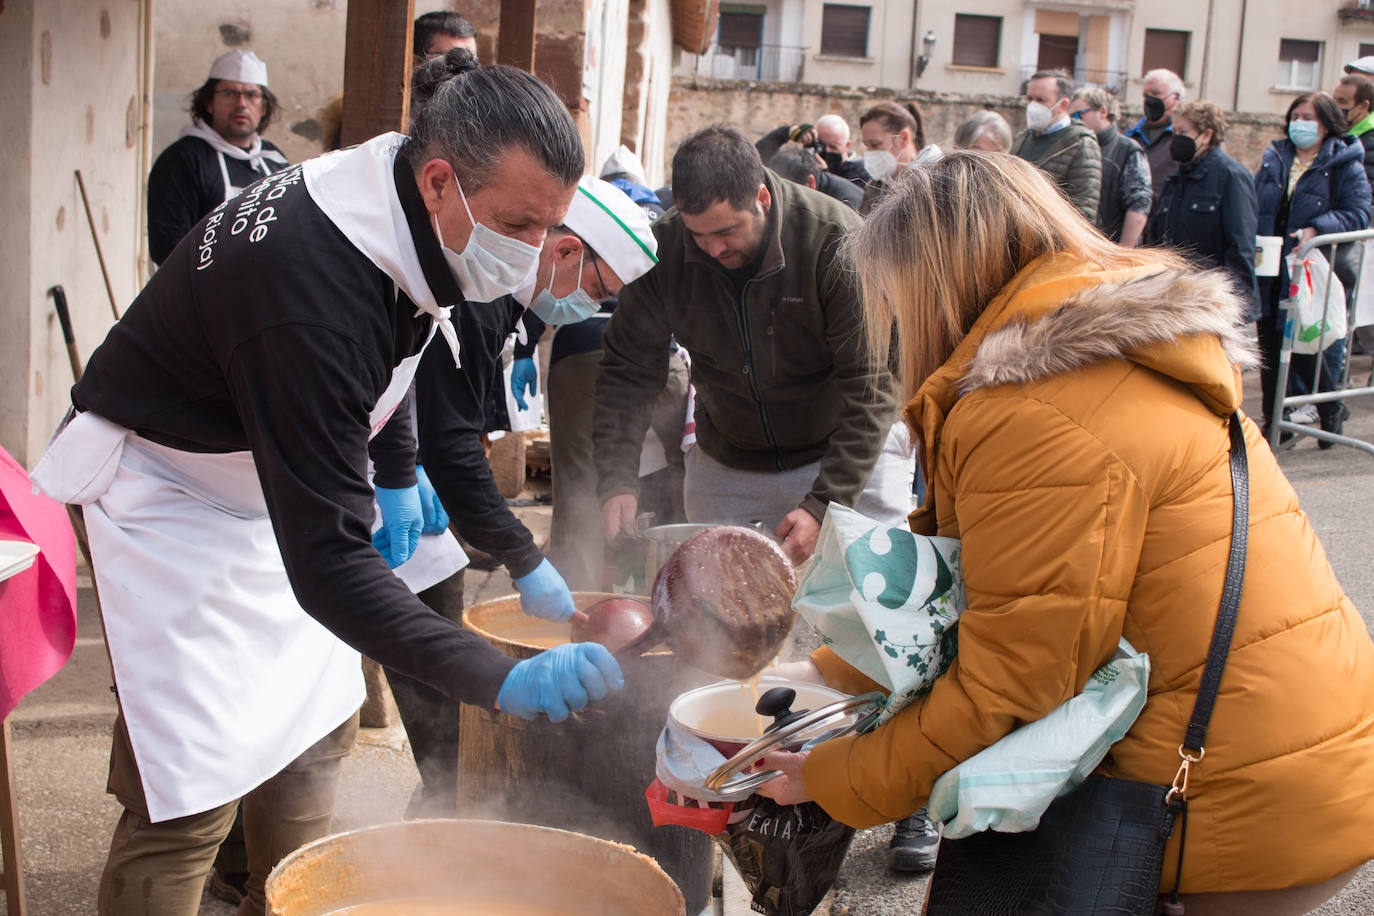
x,y
1303,133
577,306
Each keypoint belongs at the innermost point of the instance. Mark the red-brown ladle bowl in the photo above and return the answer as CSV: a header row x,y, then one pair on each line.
x,y
617,623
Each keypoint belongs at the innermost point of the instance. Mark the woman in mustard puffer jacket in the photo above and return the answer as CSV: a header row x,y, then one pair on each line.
x,y
1070,399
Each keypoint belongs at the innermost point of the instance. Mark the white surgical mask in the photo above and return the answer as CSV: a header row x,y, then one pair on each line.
x,y
1304,134
879,163
1038,116
576,306
491,264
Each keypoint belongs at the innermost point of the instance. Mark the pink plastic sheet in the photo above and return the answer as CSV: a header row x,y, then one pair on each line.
x,y
38,605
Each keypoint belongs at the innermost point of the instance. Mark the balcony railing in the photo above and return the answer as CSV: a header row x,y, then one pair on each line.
x,y
1112,80
765,63
1356,9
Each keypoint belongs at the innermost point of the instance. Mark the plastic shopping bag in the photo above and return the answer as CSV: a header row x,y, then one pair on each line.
x,y
788,855
885,600
1315,303
1009,785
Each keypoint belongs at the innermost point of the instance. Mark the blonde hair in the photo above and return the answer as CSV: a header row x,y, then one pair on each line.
x,y
947,237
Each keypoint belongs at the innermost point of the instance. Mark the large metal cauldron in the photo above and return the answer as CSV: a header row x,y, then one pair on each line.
x,y
588,773
470,867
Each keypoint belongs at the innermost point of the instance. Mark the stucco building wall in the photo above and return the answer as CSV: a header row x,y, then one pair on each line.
x,y
72,101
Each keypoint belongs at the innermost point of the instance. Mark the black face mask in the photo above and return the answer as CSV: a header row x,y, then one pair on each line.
x,y
1182,149
832,160
1154,108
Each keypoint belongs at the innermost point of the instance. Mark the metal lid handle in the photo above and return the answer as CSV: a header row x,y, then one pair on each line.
x,y
729,778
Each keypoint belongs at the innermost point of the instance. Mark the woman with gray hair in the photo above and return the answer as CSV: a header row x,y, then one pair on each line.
x,y
985,130
219,444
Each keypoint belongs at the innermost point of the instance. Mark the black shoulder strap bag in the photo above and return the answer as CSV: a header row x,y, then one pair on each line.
x,y
1100,847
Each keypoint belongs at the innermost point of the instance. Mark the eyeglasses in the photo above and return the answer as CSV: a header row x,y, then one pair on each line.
x,y
1077,115
251,96
605,290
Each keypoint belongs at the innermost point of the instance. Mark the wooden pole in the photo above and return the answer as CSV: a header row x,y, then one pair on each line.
x,y
377,65
95,237
515,42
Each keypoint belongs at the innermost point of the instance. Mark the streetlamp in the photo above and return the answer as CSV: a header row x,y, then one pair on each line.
x,y
927,45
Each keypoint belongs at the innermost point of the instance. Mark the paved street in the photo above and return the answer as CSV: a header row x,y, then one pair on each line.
x,y
62,729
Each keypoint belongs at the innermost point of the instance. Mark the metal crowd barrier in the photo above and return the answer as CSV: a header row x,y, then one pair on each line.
x,y
1282,400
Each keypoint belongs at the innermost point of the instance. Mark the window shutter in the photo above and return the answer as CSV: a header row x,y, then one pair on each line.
x,y
1165,49
1308,52
739,30
976,40
844,30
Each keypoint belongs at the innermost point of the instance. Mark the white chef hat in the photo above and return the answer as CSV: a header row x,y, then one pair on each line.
x,y
239,67
624,162
615,227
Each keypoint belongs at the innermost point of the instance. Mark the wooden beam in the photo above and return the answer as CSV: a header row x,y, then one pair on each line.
x,y
515,41
377,65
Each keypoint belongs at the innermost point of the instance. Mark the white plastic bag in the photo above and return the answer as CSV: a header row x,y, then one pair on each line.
x,y
1009,785
885,600
1317,309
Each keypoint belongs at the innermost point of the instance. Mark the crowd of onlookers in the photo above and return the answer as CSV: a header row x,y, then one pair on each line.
x,y
1166,179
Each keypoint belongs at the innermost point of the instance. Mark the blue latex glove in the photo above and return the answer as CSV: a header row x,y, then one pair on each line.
x,y
523,377
436,519
560,680
544,594
402,519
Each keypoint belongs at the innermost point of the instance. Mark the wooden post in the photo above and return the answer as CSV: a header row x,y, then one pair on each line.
x,y
377,65
515,42
378,58
13,874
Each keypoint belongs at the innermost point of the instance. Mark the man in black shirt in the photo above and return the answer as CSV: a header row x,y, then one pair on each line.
x,y
219,450
217,155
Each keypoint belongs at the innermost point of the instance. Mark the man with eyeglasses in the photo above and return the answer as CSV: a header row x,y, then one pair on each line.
x,y
603,243
217,155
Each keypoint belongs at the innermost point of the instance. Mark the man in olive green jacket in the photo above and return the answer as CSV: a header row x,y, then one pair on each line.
x,y
788,399
1066,150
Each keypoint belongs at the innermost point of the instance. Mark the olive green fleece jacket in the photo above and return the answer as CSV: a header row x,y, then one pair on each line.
x,y
1072,157
781,371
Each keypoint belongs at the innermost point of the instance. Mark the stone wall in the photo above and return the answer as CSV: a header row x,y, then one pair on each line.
x,y
757,108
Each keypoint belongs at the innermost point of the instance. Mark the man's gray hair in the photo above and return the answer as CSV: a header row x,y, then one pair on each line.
x,y
1097,97
1170,78
834,121
980,123
471,116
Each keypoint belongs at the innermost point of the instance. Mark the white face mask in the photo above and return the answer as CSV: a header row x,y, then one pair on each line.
x,y
576,306
880,163
1038,116
491,264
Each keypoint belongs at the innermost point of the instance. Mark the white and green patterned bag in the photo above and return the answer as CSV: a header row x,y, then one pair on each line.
x,y
885,600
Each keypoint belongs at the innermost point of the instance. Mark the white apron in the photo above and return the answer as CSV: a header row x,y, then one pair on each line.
x,y
223,678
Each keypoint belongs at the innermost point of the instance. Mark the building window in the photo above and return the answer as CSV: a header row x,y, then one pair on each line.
x,y
976,40
740,33
1299,63
1366,49
1165,49
844,30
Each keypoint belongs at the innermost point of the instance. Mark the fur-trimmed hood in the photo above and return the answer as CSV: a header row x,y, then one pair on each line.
x,y
1059,314
1152,320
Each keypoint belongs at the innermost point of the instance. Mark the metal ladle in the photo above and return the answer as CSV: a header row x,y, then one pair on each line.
x,y
722,602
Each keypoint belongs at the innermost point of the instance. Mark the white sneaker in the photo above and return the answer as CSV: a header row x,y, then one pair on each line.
x,y
1307,413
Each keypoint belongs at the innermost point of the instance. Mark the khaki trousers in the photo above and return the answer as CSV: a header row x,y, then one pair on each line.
x,y
160,869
